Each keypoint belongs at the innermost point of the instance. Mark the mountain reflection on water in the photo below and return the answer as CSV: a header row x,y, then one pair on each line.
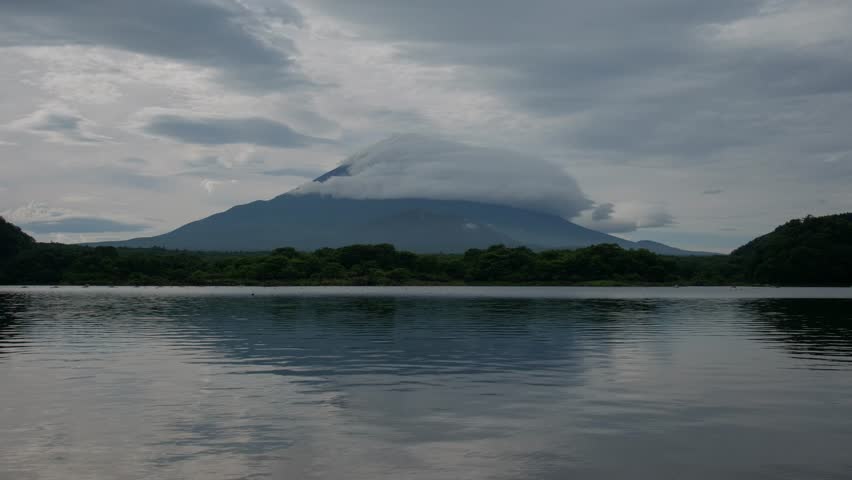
x,y
148,384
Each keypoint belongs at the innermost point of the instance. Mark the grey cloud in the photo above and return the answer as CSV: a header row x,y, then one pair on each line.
x,y
499,21
223,131
216,167
384,121
399,117
59,125
788,73
136,161
208,167
81,225
603,211
118,176
639,79
712,191
294,172
313,121
216,162
209,161
124,173
656,219
610,218
615,226
626,225
56,122
209,33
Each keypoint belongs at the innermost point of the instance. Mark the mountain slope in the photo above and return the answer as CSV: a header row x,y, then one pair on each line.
x,y
312,221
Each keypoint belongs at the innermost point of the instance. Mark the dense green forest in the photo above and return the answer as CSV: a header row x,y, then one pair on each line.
x,y
813,251
810,251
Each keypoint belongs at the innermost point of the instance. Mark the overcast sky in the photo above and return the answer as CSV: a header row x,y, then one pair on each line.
x,y
697,123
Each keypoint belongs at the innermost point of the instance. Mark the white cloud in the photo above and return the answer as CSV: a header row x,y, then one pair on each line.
x,y
418,166
790,24
77,198
625,217
43,219
211,185
35,211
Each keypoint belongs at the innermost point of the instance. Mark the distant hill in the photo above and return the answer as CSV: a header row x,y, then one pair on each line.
x,y
12,240
810,251
664,249
312,221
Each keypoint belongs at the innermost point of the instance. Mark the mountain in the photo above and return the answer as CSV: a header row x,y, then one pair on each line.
x,y
664,249
810,251
418,193
311,221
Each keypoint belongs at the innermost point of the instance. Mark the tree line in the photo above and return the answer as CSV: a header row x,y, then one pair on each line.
x,y
813,251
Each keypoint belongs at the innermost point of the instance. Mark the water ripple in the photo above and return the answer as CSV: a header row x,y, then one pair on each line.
x,y
424,383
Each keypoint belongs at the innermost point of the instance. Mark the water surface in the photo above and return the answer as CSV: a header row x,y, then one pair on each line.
x,y
425,383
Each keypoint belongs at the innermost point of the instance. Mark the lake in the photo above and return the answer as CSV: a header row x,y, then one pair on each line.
x,y
425,383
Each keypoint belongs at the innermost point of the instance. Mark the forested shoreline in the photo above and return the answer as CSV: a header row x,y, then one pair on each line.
x,y
812,251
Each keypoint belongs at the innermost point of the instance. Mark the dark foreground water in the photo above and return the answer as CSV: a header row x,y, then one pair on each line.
x,y
425,383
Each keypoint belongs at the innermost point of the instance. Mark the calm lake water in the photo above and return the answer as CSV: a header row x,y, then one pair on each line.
x,y
425,383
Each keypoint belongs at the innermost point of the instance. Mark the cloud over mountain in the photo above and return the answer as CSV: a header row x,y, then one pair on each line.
x,y
419,166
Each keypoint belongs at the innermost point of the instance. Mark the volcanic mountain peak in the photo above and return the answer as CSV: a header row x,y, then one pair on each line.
x,y
416,192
